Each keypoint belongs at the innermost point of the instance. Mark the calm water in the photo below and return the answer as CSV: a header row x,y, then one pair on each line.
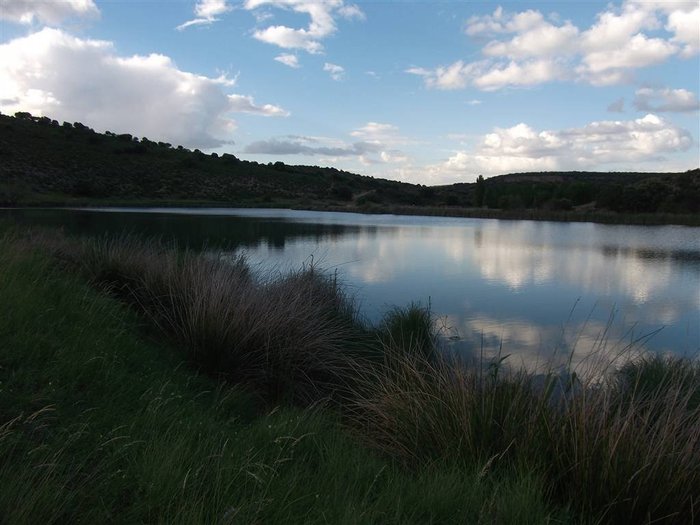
x,y
531,288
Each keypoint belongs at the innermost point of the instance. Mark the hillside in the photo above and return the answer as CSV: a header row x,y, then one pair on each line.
x,y
43,162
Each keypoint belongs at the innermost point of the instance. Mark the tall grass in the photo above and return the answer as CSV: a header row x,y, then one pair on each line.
x,y
604,448
409,330
621,446
295,335
99,425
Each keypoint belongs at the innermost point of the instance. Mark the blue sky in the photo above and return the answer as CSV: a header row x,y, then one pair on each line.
x,y
426,92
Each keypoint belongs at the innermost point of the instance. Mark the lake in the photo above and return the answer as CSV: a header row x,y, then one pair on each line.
x,y
538,291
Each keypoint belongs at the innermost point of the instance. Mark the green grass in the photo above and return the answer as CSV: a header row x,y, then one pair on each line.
x,y
100,422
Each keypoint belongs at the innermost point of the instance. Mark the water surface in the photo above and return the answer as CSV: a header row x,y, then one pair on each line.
x,y
526,288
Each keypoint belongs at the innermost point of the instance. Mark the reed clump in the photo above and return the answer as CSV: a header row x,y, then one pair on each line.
x,y
624,449
293,336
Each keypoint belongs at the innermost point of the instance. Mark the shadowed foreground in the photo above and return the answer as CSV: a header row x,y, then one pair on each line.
x,y
267,400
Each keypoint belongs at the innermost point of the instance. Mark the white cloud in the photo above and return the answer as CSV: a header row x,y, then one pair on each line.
x,y
288,60
541,40
206,12
528,73
67,78
351,11
322,22
46,11
637,52
502,22
686,26
593,146
457,75
246,104
489,76
380,134
337,72
613,30
527,48
666,100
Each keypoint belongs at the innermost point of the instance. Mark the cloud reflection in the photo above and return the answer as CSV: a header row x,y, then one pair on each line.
x,y
585,347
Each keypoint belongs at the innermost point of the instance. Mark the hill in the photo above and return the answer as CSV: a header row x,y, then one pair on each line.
x,y
43,162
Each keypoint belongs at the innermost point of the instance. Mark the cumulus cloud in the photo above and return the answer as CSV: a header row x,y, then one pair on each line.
x,y
608,65
526,48
527,73
489,76
599,143
53,73
373,143
206,12
686,28
288,60
540,39
613,29
336,72
666,100
46,12
322,22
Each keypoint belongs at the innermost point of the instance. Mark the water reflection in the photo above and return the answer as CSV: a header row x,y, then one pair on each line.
x,y
536,289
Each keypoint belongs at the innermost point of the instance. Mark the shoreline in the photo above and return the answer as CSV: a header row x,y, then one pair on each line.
x,y
650,219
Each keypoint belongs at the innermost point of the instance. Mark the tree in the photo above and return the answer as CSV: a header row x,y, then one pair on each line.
x,y
480,191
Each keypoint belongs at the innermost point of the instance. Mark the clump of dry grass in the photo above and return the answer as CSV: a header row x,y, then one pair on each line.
x,y
636,458
625,457
291,335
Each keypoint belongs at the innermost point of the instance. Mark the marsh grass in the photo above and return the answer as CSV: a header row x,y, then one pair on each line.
x,y
409,329
617,450
98,425
290,335
617,445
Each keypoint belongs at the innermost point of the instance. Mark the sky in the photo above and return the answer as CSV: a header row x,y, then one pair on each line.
x,y
419,91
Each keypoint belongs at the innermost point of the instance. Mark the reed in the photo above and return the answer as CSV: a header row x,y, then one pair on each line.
x,y
626,451
291,335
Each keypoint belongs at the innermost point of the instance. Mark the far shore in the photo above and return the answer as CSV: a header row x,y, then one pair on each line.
x,y
575,215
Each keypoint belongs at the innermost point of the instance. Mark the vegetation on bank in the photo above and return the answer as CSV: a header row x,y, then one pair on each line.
x,y
412,435
102,423
47,163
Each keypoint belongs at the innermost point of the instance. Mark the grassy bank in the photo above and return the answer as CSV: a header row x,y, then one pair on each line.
x,y
102,423
268,399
